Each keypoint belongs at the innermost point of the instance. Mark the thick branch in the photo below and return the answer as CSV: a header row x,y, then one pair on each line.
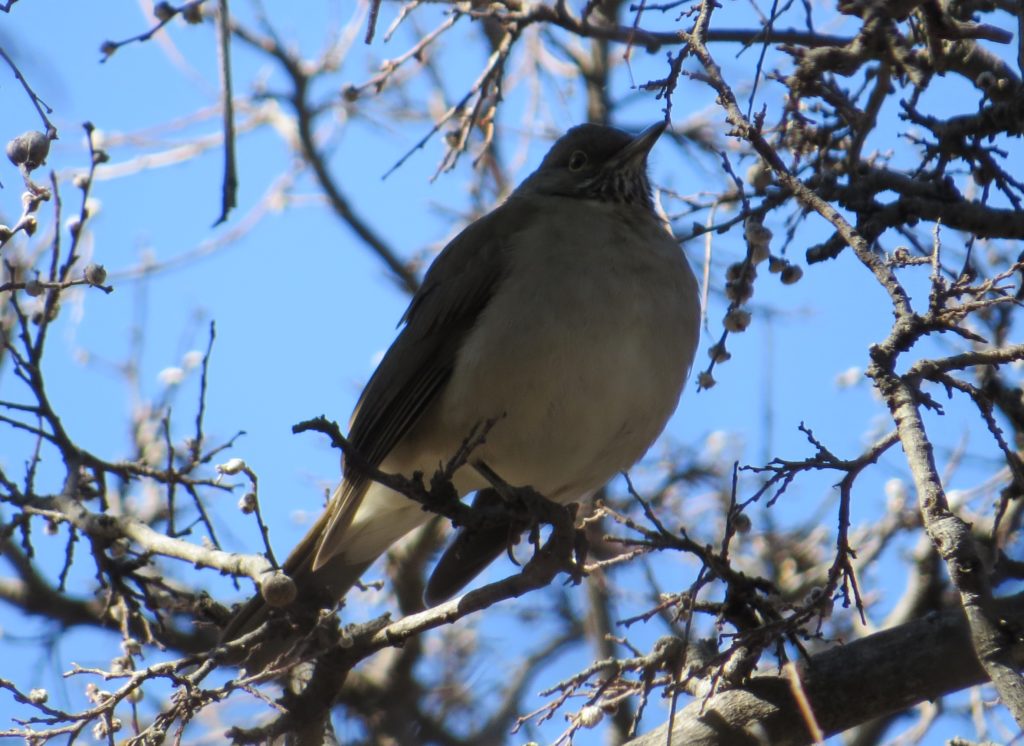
x,y
848,684
952,538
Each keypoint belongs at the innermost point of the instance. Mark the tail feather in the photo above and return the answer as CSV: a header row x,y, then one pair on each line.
x,y
383,518
341,512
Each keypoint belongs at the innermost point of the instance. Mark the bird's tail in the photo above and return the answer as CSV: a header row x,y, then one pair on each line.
x,y
383,517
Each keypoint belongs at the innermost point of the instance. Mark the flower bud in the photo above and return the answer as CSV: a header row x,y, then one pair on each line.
x,y
171,375
742,523
192,13
231,466
163,12
95,274
791,275
758,240
718,353
247,503
278,589
739,292
737,320
759,176
590,716
29,149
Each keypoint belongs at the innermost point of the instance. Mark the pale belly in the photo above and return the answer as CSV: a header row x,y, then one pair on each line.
x,y
578,385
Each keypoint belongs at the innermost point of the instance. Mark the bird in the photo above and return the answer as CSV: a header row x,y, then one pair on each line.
x,y
568,317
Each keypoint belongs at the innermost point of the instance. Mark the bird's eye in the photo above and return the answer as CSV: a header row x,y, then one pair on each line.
x,y
577,160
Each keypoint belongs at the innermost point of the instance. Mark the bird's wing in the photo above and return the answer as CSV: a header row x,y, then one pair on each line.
x,y
415,369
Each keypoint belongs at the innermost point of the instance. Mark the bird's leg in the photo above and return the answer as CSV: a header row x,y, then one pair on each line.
x,y
534,510
476,438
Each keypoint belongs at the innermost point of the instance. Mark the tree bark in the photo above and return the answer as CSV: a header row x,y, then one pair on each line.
x,y
846,685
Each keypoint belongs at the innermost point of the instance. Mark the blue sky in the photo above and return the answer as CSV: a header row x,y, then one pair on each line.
x,y
303,312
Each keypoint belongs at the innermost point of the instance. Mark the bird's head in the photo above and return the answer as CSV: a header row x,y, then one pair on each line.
x,y
596,162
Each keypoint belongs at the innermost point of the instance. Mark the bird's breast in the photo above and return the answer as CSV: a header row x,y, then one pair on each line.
x,y
581,353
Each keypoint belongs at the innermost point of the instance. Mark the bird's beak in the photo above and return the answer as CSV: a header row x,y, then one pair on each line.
x,y
636,151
